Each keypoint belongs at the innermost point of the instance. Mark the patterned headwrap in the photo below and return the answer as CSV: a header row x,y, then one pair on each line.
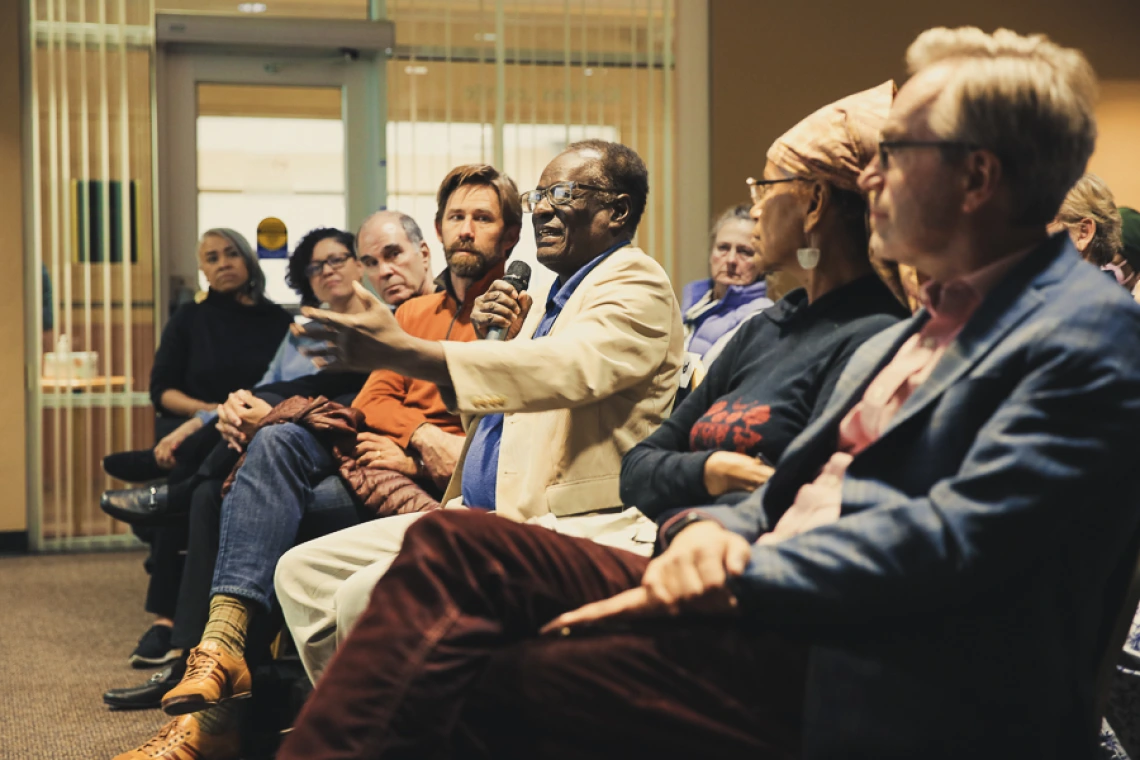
x,y
836,142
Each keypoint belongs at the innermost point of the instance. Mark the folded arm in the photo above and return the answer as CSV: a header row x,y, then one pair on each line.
x,y
663,472
1023,488
170,365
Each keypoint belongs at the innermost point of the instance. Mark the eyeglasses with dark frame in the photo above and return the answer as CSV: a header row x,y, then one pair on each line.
x,y
335,262
887,146
757,187
559,194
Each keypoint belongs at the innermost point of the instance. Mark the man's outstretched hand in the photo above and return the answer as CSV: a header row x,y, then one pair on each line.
x,y
690,577
361,341
368,340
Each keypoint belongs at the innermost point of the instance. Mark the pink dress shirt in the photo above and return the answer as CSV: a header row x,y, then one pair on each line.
x,y
950,307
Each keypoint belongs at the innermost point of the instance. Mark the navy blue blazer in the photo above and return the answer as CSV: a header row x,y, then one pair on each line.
x,y
953,608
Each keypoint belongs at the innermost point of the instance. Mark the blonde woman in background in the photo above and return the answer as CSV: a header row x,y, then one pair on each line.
x,y
1090,216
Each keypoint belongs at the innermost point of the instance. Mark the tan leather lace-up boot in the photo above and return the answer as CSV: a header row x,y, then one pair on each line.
x,y
212,676
183,739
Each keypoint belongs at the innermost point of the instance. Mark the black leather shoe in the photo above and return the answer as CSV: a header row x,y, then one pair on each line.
x,y
154,650
149,695
144,507
133,466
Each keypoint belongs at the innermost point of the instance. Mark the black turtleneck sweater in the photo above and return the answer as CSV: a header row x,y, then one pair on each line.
x,y
773,377
213,348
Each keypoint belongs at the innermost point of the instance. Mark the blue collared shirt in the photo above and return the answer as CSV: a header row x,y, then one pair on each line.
x,y
481,467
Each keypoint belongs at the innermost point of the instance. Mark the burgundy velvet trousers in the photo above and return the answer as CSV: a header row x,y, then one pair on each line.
x,y
447,662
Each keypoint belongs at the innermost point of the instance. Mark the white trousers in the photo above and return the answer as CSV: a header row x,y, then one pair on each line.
x,y
325,584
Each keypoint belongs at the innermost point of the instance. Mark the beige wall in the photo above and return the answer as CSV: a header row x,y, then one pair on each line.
x,y
1117,158
773,63
13,505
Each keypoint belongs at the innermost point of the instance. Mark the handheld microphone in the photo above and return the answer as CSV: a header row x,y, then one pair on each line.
x,y
518,275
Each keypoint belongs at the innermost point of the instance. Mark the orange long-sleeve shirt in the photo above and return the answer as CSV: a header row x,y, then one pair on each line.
x,y
395,405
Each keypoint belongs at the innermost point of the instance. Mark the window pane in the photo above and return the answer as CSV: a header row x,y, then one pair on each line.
x,y
253,167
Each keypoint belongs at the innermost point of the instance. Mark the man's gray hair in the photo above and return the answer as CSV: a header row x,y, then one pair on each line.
x,y
411,229
256,285
1025,98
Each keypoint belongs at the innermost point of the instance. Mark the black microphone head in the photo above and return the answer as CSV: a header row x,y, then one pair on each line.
x,y
518,275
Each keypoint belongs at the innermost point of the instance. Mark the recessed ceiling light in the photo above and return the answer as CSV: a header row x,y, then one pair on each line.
x,y
252,7
416,70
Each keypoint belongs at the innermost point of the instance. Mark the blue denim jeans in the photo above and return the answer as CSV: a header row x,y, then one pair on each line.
x,y
286,476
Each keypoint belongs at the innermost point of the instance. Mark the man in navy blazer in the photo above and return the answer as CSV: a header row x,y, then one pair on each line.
x,y
940,539
955,605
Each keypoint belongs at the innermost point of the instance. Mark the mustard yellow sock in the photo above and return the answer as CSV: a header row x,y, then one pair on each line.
x,y
229,620
220,718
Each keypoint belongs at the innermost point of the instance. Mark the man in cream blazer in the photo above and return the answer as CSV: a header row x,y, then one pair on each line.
x,y
588,372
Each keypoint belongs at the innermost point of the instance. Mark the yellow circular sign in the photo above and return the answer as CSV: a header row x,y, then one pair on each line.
x,y
271,234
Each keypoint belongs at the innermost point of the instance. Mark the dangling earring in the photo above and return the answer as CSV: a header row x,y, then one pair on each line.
x,y
808,257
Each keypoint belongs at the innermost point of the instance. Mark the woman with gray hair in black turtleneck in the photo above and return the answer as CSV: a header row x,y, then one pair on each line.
x,y
208,350
224,343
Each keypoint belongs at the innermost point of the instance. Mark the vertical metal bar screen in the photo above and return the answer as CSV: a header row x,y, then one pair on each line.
x,y
508,81
513,82
91,148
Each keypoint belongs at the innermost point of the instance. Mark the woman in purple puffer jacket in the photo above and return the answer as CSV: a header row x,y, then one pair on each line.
x,y
734,291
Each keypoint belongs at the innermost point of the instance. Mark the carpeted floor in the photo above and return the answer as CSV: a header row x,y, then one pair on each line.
x,y
67,624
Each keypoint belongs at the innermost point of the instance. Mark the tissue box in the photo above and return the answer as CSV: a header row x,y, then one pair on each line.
x,y
79,365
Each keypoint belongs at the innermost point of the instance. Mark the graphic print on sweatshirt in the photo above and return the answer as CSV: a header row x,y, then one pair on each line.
x,y
731,426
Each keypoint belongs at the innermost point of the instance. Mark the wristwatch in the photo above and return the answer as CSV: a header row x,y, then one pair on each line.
x,y
670,531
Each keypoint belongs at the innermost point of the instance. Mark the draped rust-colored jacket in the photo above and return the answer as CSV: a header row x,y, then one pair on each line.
x,y
383,492
390,404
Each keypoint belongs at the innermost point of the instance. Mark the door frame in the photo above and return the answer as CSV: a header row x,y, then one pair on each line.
x,y
361,79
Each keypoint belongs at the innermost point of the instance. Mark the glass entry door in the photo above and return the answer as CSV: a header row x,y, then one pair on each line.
x,y
245,138
270,151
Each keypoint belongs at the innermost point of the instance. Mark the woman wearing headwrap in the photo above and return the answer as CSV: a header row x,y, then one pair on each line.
x,y
776,373
447,660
